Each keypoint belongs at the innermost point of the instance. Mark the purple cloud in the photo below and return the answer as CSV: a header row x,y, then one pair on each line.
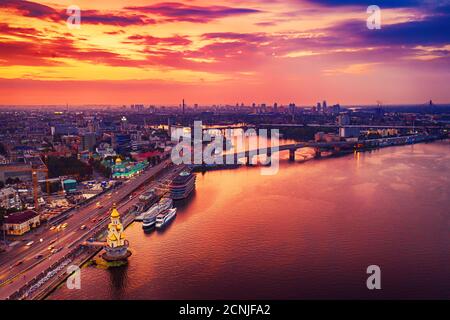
x,y
174,11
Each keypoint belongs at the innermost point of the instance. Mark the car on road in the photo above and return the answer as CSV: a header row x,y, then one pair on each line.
x,y
51,248
52,227
53,241
18,263
94,220
29,243
83,227
39,256
64,225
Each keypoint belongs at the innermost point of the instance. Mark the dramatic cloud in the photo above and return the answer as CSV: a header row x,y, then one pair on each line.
x,y
45,52
174,11
31,9
366,3
150,40
114,19
7,30
321,45
36,10
431,30
248,37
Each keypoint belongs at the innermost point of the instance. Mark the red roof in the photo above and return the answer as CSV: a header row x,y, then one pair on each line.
x,y
145,155
20,217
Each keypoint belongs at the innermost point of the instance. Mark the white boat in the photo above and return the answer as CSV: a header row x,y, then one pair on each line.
x,y
149,217
163,218
148,221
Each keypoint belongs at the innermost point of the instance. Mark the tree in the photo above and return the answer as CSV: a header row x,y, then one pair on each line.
x,y
98,166
62,166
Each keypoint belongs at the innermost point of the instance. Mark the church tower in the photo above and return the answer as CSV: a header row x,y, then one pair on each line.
x,y
116,248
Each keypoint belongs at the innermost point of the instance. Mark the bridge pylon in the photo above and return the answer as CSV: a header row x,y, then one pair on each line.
x,y
292,155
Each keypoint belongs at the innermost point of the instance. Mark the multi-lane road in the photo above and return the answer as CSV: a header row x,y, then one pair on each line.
x,y
20,265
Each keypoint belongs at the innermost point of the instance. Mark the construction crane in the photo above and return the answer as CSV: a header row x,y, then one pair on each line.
x,y
34,174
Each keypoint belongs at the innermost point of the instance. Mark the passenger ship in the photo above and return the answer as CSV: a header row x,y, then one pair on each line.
x,y
182,186
150,216
163,218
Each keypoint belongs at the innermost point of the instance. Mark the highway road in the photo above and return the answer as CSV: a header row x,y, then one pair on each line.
x,y
20,265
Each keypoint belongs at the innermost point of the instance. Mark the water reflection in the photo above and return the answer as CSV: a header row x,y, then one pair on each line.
x,y
308,232
118,278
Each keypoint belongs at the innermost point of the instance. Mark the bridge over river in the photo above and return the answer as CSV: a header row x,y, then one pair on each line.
x,y
232,158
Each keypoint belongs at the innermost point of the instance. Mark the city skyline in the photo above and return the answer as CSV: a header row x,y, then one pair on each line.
x,y
231,52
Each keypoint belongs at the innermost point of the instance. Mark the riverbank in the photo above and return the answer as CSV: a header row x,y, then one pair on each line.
x,y
91,252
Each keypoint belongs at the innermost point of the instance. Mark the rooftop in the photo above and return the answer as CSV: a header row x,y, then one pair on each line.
x,y
20,217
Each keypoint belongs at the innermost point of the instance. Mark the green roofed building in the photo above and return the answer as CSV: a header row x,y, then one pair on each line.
x,y
127,169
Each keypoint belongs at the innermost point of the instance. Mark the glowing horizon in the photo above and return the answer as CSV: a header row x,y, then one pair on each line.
x,y
156,52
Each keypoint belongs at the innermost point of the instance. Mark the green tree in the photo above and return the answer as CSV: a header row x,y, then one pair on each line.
x,y
62,166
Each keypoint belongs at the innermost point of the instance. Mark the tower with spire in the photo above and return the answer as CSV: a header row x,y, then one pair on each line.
x,y
116,248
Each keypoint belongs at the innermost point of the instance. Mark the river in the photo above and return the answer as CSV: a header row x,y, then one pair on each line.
x,y
310,231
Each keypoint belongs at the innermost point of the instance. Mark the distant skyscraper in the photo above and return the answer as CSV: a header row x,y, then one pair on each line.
x,y
319,107
124,123
291,108
324,106
183,106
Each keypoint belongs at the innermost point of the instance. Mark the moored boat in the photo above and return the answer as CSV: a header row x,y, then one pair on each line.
x,y
183,185
149,217
163,218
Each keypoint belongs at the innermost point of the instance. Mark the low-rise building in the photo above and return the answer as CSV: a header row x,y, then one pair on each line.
x,y
21,222
349,132
326,137
9,199
127,169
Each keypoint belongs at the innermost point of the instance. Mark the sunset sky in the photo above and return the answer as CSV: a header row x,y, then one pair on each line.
x,y
224,51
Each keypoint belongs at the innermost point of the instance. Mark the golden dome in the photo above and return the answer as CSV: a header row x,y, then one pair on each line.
x,y
114,212
118,161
